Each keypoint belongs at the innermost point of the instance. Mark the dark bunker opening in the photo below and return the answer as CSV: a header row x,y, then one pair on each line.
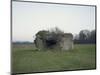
x,y
51,43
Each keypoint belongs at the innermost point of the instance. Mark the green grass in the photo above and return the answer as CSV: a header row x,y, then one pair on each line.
x,y
26,59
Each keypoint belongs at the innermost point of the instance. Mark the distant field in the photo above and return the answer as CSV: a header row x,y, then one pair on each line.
x,y
26,59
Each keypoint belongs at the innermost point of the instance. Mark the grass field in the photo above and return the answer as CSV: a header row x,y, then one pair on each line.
x,y
26,59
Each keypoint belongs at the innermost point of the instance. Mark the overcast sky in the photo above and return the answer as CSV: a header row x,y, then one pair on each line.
x,y
28,18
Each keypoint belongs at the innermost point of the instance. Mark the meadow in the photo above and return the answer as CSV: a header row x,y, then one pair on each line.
x,y
25,58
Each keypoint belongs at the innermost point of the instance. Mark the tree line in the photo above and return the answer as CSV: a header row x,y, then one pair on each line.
x,y
85,37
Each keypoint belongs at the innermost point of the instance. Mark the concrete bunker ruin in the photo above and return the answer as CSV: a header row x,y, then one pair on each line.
x,y
50,40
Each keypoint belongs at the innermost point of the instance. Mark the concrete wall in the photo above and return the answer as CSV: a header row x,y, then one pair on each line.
x,y
66,44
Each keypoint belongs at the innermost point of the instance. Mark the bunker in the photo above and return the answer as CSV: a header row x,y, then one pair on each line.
x,y
48,40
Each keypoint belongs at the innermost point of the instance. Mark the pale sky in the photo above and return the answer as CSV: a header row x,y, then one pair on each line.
x,y
29,18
